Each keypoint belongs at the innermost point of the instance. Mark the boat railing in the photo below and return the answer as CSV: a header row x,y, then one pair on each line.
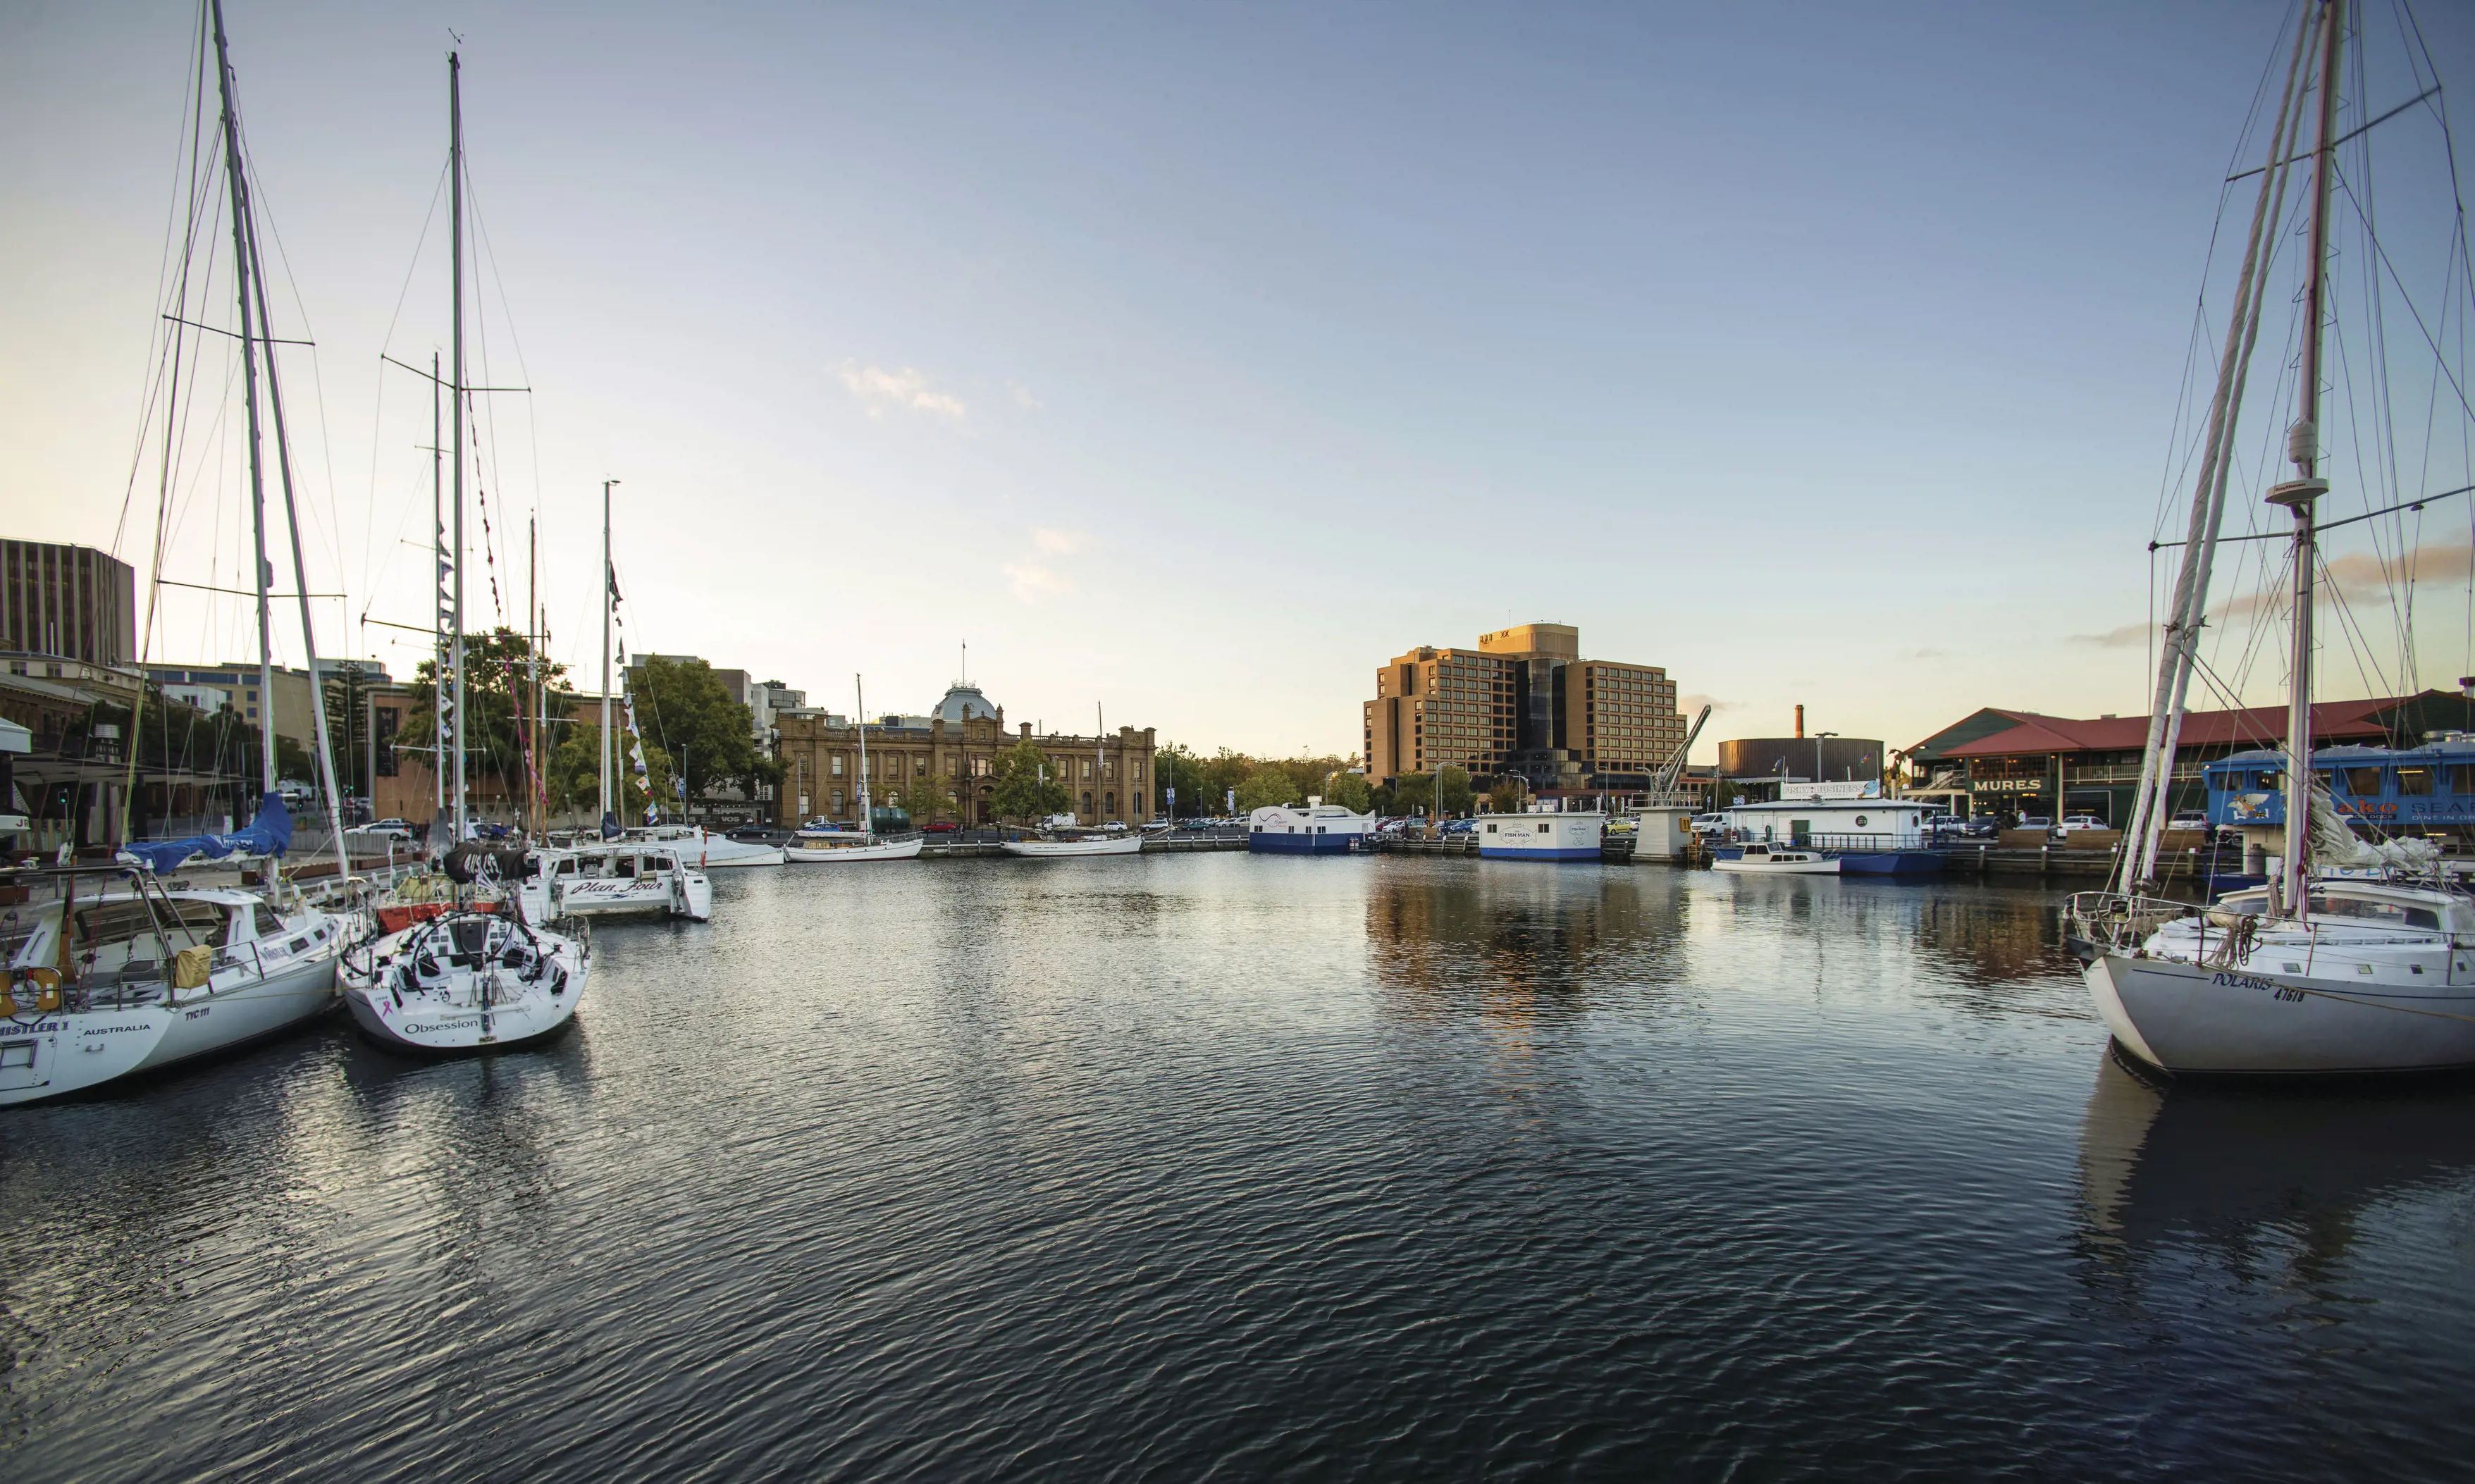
x,y
1867,843
2114,920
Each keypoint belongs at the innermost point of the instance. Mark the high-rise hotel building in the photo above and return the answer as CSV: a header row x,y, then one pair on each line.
x,y
1523,702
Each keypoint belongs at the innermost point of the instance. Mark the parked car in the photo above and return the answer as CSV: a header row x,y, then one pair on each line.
x,y
1460,826
1709,824
940,827
392,829
1619,826
2034,822
2189,819
2074,823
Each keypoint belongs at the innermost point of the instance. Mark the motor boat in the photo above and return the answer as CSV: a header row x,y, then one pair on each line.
x,y
1765,860
849,847
122,975
709,851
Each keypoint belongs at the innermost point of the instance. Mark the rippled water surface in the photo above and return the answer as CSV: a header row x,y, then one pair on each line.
x,y
1252,1167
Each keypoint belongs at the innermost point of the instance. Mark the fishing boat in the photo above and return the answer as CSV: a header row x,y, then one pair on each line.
x,y
1320,829
2356,955
477,972
120,975
1760,860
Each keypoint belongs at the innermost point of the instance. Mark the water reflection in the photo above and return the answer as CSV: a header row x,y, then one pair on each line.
x,y
2271,1182
1523,938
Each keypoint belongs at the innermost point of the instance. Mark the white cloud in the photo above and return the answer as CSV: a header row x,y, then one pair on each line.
x,y
1023,396
1031,583
908,389
1057,543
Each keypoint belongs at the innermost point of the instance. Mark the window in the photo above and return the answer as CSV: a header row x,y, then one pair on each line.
x,y
264,921
837,768
2361,782
2459,778
919,765
837,798
2416,781
953,766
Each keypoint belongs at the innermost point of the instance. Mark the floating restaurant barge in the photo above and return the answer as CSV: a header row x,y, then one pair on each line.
x,y
1866,834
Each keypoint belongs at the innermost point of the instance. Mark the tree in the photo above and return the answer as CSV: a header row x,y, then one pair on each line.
x,y
1413,791
574,774
498,691
1505,797
682,705
1179,770
924,796
1027,785
1349,790
1267,784
1452,784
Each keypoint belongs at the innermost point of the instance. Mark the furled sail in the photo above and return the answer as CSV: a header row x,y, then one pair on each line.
x,y
268,834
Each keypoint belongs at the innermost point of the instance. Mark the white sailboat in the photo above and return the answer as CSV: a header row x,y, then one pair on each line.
x,y
121,975
479,974
2308,974
854,848
1065,835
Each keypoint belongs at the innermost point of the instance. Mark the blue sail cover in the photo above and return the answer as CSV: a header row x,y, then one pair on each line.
x,y
610,825
270,833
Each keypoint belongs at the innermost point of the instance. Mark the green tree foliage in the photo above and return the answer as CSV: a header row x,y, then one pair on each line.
x,y
683,706
925,796
497,691
1413,792
1178,768
1349,790
1454,786
1021,792
1506,796
1267,784
573,776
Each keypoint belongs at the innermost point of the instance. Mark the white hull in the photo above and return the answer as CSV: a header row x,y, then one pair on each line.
x,y
687,895
1818,866
75,1051
736,852
464,1008
2201,1018
852,854
708,851
1119,845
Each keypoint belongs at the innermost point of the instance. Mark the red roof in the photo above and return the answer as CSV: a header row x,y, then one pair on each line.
x,y
2251,726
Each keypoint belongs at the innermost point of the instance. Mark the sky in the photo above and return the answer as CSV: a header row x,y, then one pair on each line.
x,y
1193,361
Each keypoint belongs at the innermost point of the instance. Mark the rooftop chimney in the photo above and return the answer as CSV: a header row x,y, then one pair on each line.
x,y
1800,718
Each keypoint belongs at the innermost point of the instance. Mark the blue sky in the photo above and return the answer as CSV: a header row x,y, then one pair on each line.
x,y
1195,361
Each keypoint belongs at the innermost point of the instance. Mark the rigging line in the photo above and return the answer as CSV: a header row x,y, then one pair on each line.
x,y
191,87
2439,359
2416,503
2426,96
234,334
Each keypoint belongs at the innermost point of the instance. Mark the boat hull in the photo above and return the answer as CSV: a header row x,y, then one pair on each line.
x,y
1891,862
432,1021
1487,852
1043,849
1829,866
2194,1019
1265,842
854,855
689,897
66,1053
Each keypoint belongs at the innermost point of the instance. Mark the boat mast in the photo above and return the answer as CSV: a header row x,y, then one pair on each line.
x,y
441,616
1100,752
609,602
455,232
532,668
264,576
859,705
2299,494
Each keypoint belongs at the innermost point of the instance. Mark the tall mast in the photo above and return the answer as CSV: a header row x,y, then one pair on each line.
x,y
442,617
859,707
2300,494
456,219
532,665
264,576
609,598
300,574
1100,754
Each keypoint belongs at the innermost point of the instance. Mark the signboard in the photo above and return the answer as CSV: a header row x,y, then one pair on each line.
x,y
2006,785
1870,789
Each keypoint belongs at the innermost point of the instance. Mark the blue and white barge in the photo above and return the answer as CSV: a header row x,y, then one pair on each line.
x,y
1320,829
1569,836
1851,822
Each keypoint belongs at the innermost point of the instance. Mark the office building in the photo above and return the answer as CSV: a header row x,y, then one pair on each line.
x,y
1523,703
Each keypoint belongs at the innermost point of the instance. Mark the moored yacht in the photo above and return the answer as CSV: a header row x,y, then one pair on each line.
x,y
709,851
849,847
1761,860
465,981
1051,844
627,878
121,975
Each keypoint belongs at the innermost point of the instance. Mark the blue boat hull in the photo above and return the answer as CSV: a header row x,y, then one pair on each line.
x,y
1486,852
1891,862
1266,843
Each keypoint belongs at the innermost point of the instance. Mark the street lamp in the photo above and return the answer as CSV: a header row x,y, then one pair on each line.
x,y
1817,759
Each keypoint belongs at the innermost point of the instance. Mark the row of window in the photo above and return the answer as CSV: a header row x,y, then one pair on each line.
x,y
2363,781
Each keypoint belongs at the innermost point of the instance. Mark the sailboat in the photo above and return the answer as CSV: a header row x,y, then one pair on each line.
x,y
123,974
479,974
809,846
2314,972
1063,836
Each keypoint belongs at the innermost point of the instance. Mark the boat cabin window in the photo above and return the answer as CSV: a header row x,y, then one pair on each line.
x,y
2361,782
2458,778
2394,913
624,867
264,922
2414,781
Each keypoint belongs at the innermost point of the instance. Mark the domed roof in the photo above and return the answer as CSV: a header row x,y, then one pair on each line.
x,y
964,702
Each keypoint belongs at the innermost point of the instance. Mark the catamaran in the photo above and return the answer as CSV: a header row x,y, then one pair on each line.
x,y
2356,956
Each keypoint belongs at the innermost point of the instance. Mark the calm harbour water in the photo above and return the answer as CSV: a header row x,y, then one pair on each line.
x,y
1252,1167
